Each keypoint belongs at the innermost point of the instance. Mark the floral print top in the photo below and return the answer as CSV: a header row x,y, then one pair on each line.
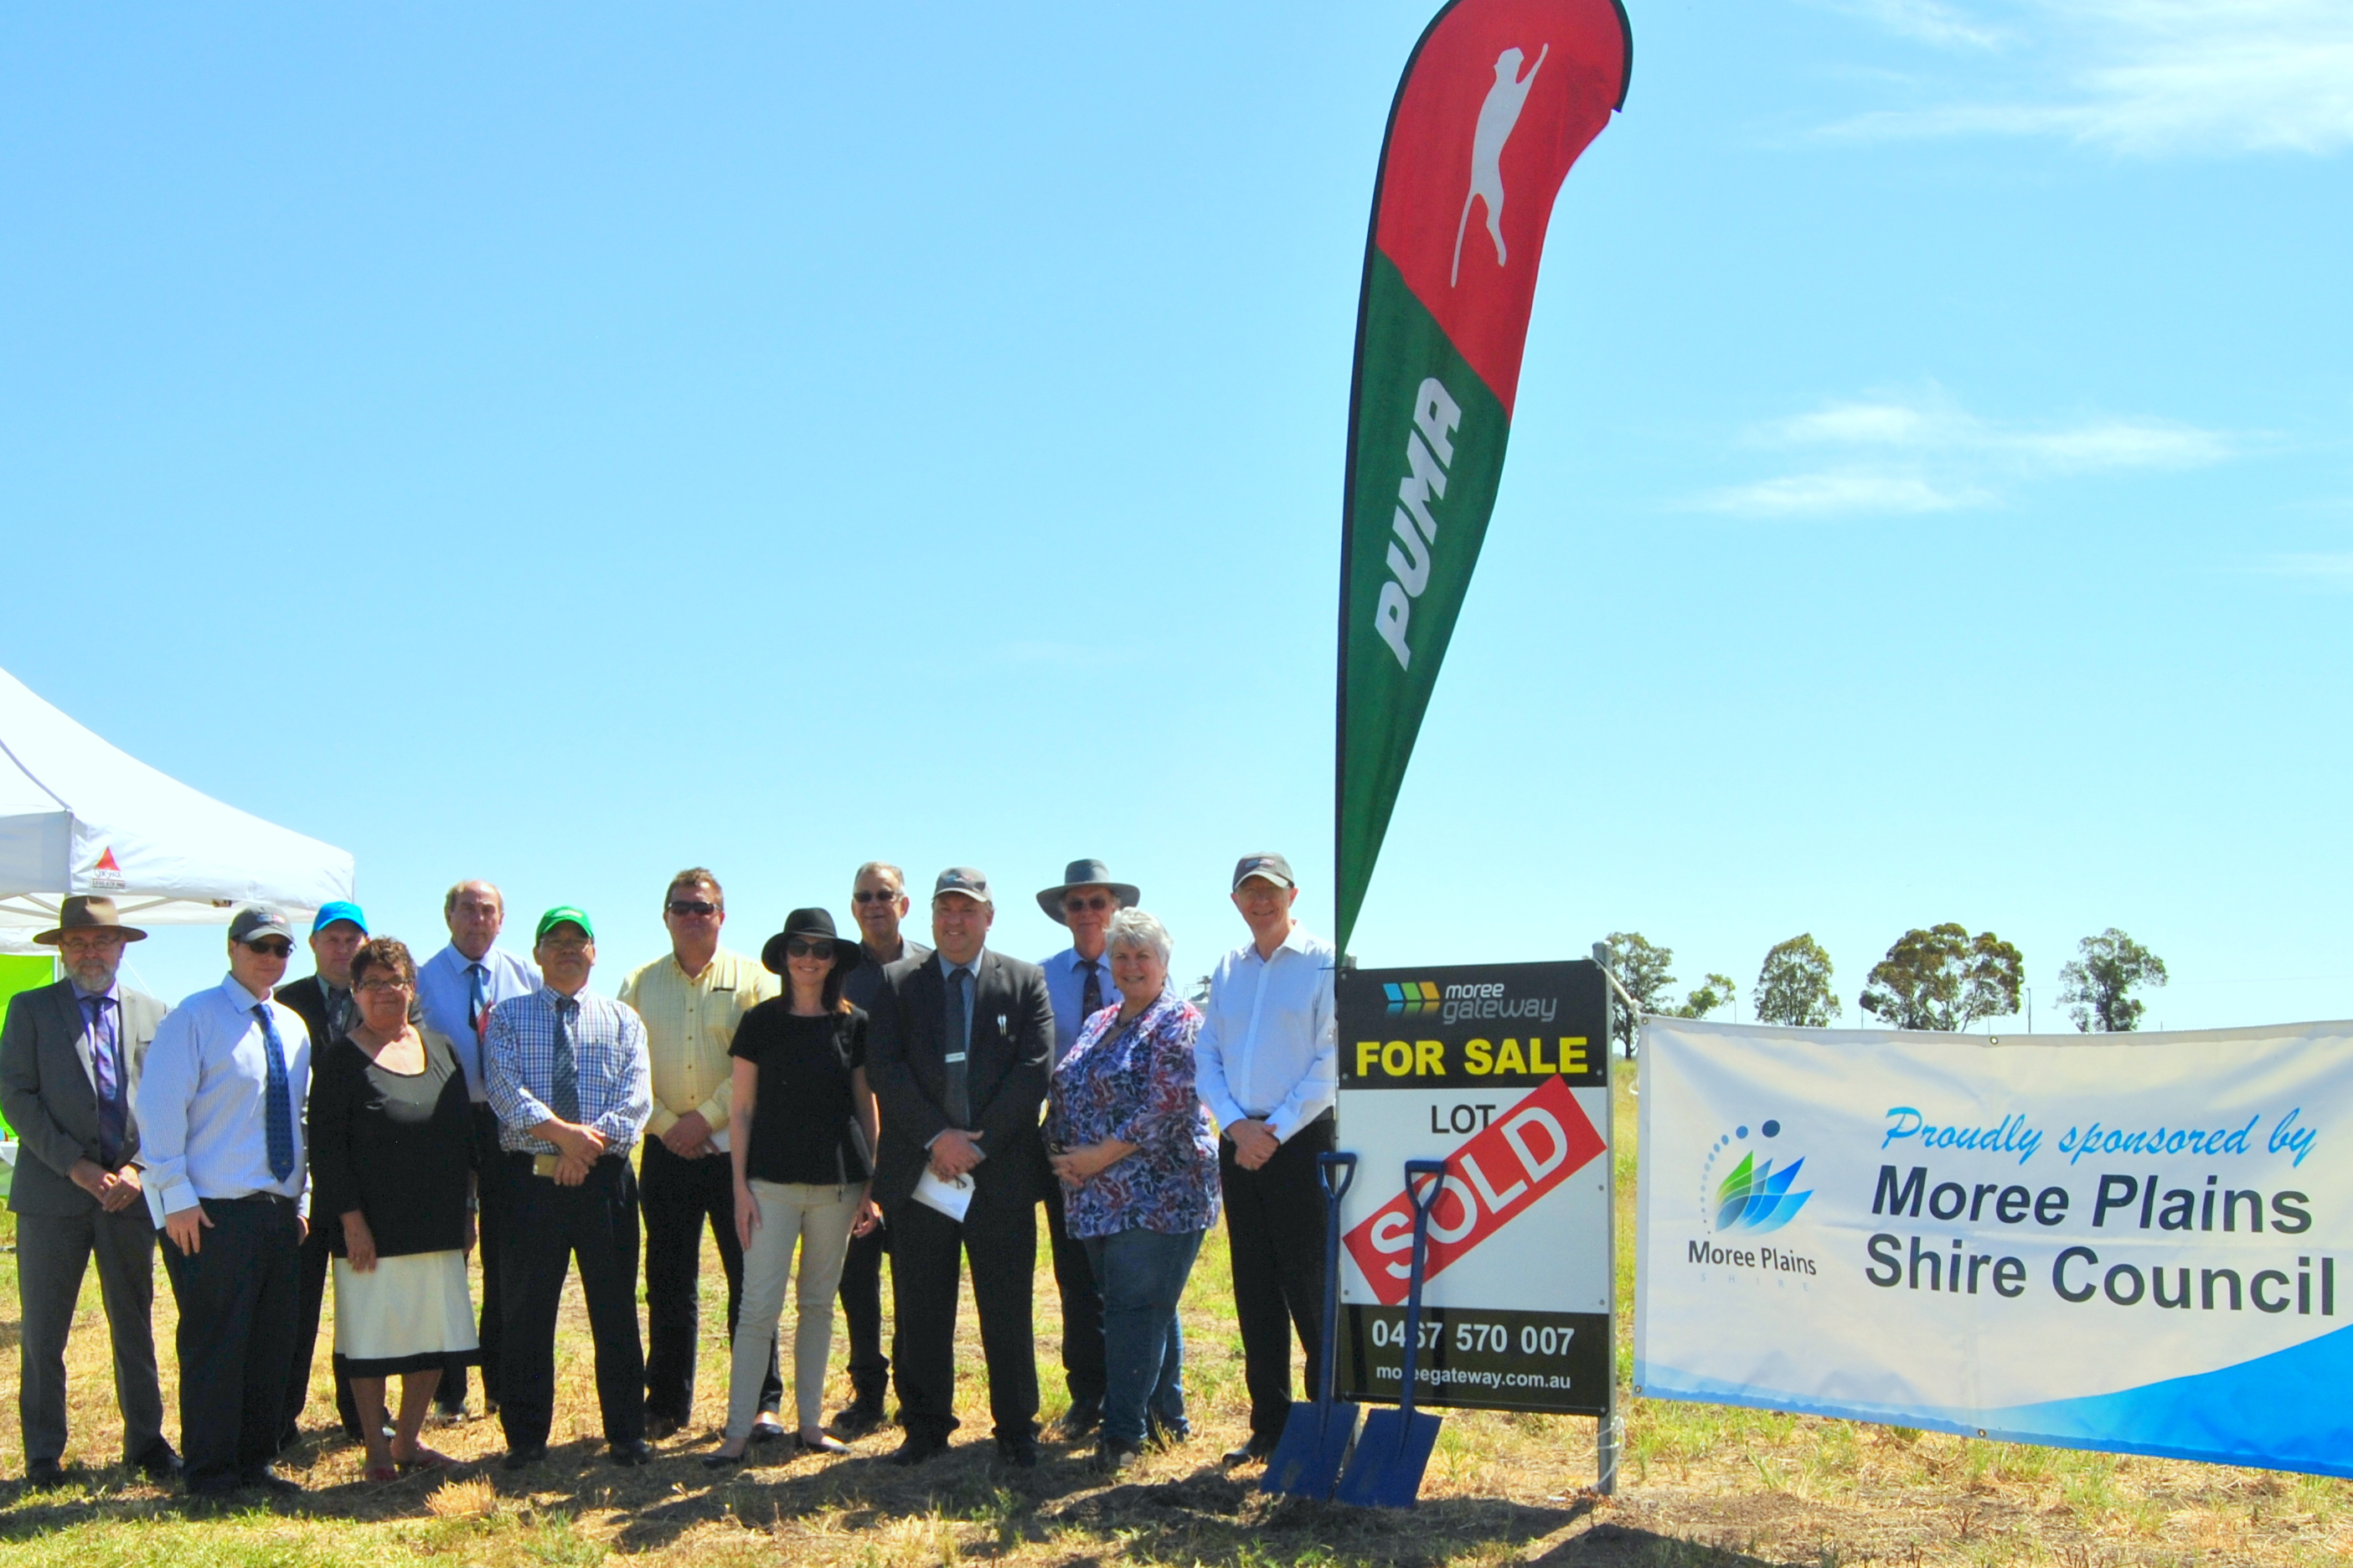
x,y
1134,1083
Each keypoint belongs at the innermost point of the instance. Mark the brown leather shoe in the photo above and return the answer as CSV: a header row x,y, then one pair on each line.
x,y
661,1428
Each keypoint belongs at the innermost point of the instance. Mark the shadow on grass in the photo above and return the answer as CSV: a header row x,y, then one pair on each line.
x,y
1200,1514
1616,1546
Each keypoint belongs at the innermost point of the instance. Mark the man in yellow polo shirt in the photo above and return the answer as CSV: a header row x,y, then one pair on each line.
x,y
692,1001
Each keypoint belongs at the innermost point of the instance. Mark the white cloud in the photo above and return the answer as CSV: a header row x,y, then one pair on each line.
x,y
1838,494
2147,78
2319,570
1900,454
1925,20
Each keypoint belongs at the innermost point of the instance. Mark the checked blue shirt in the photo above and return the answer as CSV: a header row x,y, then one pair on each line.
x,y
608,1052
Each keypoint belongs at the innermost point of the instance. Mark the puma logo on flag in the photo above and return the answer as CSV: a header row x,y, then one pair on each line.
x,y
1498,117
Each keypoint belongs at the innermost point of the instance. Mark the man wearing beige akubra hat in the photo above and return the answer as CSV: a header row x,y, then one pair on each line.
x,y
71,1056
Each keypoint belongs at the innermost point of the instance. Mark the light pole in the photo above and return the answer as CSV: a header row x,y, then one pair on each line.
x,y
2029,1008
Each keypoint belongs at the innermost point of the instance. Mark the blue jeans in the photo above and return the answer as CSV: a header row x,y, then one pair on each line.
x,y
1142,1274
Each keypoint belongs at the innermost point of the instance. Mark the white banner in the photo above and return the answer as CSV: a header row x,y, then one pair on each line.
x,y
2138,1243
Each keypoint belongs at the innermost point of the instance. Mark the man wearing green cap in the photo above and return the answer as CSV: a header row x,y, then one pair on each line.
x,y
570,1080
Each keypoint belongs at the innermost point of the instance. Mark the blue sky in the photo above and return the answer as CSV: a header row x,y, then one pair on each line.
x,y
568,444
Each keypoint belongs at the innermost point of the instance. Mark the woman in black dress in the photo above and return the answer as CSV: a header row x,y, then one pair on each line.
x,y
392,1159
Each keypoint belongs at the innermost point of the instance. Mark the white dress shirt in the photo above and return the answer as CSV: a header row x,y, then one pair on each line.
x,y
204,1119
443,992
1268,1047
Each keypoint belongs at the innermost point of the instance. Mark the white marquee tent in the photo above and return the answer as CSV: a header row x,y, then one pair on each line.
x,y
76,815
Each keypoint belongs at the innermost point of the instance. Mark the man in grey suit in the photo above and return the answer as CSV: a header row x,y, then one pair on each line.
x,y
70,1055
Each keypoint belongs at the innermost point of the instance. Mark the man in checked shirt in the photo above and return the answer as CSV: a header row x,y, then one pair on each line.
x,y
572,1088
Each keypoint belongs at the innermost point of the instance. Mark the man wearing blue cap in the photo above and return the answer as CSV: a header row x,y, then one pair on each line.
x,y
325,1002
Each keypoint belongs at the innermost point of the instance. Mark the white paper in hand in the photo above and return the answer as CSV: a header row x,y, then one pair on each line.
x,y
950,1198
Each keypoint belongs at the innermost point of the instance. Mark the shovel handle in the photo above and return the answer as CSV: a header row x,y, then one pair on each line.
x,y
1341,1164
1337,1169
1436,1171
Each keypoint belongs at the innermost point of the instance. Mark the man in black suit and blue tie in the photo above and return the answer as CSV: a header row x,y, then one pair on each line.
x,y
960,1049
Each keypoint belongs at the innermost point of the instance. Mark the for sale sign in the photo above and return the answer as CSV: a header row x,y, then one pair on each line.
x,y
1502,1071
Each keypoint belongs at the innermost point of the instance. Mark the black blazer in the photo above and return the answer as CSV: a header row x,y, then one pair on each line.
x,y
1011,1059
47,1096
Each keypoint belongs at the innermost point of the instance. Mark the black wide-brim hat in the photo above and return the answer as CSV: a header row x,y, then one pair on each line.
x,y
813,925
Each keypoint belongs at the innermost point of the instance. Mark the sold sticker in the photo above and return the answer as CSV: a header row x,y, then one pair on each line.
x,y
1517,1158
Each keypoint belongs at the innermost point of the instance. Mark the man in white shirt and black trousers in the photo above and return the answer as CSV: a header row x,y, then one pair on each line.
x,y
1266,1063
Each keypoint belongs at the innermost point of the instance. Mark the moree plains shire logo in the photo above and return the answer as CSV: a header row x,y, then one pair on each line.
x,y
1752,1199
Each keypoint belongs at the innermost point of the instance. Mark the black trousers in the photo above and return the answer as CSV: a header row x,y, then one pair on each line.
x,y
490,1232
311,1292
1275,1234
236,1336
927,1253
679,1197
861,1311
1083,1305
53,1252
548,1227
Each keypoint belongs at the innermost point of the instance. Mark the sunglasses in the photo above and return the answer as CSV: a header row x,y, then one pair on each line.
x,y
1074,903
692,907
874,896
806,947
276,947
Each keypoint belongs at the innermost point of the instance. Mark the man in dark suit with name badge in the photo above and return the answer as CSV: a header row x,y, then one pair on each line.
x,y
960,1050
71,1056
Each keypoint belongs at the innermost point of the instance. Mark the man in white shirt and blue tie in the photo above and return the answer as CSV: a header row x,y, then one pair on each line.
x,y
220,1118
455,989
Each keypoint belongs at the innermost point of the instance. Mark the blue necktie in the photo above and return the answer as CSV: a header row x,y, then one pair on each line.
x,y
279,1093
564,1073
956,1048
1091,998
477,1002
106,1066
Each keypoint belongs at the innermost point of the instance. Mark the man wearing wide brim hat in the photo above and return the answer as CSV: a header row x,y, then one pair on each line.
x,y
1077,979
71,1056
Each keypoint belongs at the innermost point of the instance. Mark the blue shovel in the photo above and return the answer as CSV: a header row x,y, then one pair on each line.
x,y
1315,1437
1394,1448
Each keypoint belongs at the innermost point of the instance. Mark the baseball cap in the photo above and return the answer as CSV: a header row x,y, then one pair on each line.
x,y
258,920
339,909
1273,867
965,880
559,915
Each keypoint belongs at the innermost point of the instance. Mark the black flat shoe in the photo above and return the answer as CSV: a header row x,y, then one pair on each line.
x,y
524,1458
724,1461
1112,1455
629,1455
160,1464
1257,1451
1081,1421
825,1443
855,1421
769,1432
45,1473
269,1479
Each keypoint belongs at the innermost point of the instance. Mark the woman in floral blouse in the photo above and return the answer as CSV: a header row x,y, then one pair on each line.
x,y
1138,1163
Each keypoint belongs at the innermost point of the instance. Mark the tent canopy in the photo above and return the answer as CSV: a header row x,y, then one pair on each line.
x,y
76,815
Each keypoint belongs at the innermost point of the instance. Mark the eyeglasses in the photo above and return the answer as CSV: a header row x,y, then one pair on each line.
x,y
692,907
275,947
874,896
806,947
566,944
1074,903
384,985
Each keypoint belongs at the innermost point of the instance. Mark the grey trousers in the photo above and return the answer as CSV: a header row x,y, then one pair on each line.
x,y
53,1252
817,1219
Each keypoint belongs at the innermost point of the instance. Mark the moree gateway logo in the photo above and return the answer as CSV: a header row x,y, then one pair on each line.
x,y
1473,1000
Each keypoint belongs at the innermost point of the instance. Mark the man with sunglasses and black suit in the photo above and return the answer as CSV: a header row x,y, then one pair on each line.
x,y
1078,981
692,1001
958,1052
878,897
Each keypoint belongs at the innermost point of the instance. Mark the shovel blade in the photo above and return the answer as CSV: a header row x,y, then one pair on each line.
x,y
1391,1454
1306,1462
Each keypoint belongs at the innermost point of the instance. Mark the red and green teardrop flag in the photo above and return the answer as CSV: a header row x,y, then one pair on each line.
x,y
1497,101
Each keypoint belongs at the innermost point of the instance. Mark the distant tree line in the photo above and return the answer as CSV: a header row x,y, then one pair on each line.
x,y
1937,978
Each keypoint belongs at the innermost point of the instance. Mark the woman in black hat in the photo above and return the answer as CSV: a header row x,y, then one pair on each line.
x,y
804,1128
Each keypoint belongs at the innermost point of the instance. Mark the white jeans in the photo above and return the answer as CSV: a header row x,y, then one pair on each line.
x,y
817,1218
